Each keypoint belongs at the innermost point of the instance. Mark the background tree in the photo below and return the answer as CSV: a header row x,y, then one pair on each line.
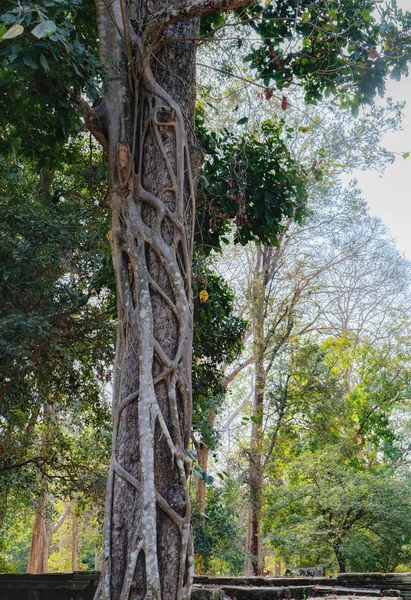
x,y
56,337
342,486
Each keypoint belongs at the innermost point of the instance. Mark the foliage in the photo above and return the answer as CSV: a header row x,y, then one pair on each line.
x,y
52,59
217,340
341,487
223,537
57,299
250,181
347,49
56,340
15,530
340,516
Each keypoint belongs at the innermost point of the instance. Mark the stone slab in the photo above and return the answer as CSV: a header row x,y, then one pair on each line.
x,y
267,593
202,593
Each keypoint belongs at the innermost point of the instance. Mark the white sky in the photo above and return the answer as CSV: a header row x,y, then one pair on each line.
x,y
389,195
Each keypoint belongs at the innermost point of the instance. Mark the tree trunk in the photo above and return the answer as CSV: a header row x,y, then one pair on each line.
x,y
40,540
149,108
43,530
202,459
339,556
253,563
74,533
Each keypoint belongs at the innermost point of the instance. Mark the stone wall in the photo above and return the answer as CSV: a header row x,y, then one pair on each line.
x,y
82,585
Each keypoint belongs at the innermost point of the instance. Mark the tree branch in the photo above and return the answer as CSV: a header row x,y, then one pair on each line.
x,y
227,379
62,518
193,8
91,121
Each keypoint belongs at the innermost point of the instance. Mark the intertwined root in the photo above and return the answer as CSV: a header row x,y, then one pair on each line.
x,y
152,238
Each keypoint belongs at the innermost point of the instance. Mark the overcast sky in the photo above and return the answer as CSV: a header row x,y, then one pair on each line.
x,y
389,195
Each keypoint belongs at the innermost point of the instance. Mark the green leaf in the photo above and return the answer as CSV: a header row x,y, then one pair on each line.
x,y
405,155
29,61
44,29
3,30
242,121
44,63
394,3
208,479
13,32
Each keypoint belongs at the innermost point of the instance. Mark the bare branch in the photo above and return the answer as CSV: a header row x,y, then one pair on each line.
x,y
63,517
231,376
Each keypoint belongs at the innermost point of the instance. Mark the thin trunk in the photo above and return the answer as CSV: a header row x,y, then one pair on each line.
x,y
202,459
277,571
97,562
45,182
74,534
147,548
200,503
253,563
339,556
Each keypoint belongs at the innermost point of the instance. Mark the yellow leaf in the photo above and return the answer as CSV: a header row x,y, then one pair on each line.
x,y
203,295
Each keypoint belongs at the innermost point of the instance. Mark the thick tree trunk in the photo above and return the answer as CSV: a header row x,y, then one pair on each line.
x,y
149,104
146,124
43,530
253,563
40,540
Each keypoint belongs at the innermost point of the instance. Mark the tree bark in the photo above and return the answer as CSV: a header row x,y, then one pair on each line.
x,y
149,102
146,124
43,530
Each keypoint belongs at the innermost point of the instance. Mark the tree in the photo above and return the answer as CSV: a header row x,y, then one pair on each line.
x,y
342,469
314,277
145,122
217,342
56,338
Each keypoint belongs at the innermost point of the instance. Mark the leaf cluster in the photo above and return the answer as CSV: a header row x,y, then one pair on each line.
x,y
53,58
217,339
345,49
249,182
56,342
